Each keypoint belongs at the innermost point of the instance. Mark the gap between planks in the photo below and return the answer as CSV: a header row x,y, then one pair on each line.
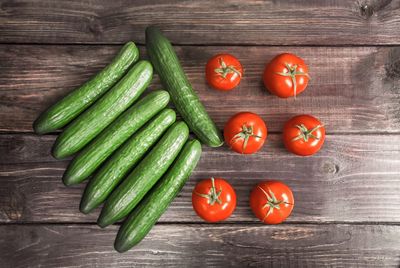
x,y
202,45
204,224
331,133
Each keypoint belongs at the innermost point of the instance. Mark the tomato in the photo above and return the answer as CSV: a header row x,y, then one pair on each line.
x,y
303,135
213,199
286,75
223,72
271,201
245,132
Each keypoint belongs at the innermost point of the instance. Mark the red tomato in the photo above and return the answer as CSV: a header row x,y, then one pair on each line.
x,y
213,199
286,75
245,132
223,72
303,135
271,201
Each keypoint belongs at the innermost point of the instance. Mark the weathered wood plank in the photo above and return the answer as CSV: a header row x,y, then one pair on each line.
x,y
271,22
327,245
355,178
353,89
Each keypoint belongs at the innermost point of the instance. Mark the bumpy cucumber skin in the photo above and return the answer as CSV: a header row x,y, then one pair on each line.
x,y
185,99
144,176
66,109
125,158
150,209
99,149
105,110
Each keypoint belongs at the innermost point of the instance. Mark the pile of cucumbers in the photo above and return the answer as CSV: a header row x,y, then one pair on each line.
x,y
133,152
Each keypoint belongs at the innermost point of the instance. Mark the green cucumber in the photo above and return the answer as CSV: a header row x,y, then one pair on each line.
x,y
97,151
127,156
144,176
185,99
150,209
105,110
66,109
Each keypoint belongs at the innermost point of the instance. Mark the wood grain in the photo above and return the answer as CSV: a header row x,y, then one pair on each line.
x,y
353,89
347,211
207,245
355,178
330,22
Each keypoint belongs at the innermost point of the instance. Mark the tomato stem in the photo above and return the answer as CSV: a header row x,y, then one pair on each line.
x,y
292,74
224,70
272,202
213,195
245,134
306,134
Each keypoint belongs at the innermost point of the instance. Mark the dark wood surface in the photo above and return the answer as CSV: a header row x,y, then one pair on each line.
x,y
347,211
203,245
271,22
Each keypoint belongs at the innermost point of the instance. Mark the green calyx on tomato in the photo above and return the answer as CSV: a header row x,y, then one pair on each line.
x,y
292,72
305,134
213,195
224,70
245,134
272,203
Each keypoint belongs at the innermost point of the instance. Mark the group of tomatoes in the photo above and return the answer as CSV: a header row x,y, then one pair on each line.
x,y
285,76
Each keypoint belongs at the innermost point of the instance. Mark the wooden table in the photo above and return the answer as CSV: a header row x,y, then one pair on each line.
x,y
347,196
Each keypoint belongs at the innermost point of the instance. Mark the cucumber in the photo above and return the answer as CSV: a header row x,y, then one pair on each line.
x,y
66,109
97,151
186,101
144,176
150,209
95,119
118,165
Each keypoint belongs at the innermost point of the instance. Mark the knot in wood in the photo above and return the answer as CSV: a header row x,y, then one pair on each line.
x,y
330,168
366,11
